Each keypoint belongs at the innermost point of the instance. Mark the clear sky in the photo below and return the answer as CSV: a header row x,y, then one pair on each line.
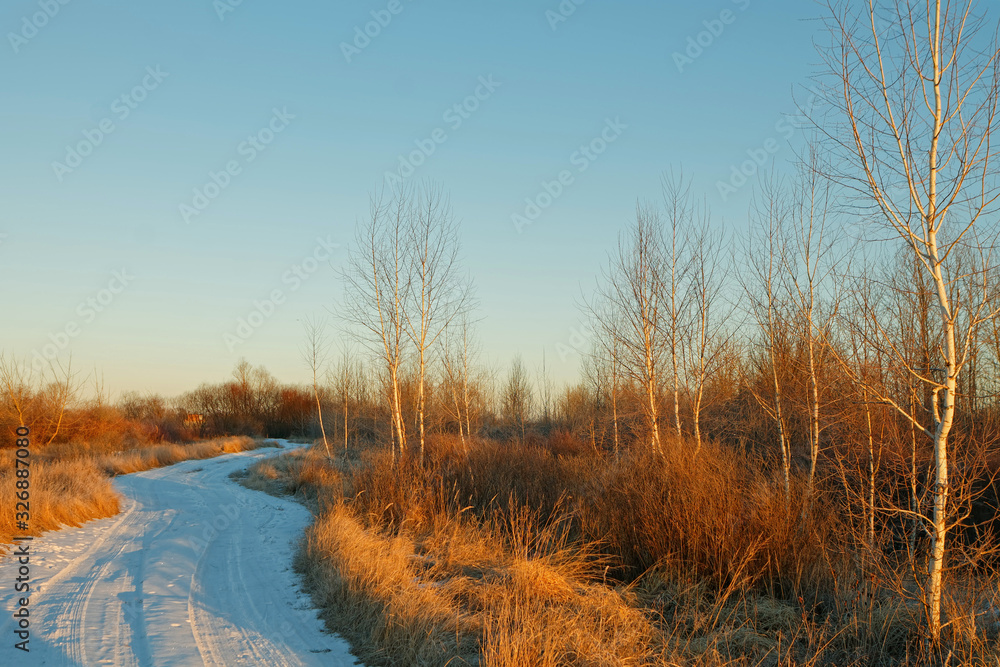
x,y
116,114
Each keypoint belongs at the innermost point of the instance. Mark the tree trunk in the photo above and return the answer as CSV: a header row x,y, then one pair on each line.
x,y
614,415
786,464
397,416
935,566
813,415
420,404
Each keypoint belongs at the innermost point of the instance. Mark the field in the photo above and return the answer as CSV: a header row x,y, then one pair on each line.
x,y
516,555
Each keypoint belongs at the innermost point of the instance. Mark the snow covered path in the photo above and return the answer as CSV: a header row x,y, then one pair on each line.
x,y
195,570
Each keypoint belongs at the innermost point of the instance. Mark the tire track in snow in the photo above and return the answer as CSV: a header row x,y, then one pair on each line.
x,y
71,612
146,588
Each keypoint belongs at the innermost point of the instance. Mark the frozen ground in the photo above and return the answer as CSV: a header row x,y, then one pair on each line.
x,y
195,570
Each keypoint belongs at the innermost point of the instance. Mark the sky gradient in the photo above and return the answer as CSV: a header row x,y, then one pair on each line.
x,y
168,167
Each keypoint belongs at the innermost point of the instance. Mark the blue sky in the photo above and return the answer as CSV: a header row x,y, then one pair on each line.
x,y
163,95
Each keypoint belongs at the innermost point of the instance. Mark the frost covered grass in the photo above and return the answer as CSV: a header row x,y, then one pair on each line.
x,y
71,484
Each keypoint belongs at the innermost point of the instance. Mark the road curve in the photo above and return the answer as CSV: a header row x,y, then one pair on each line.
x,y
195,570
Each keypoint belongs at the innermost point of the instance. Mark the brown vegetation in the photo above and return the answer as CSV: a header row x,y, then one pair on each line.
x,y
516,555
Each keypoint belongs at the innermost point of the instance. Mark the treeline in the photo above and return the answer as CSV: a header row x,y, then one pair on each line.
x,y
60,406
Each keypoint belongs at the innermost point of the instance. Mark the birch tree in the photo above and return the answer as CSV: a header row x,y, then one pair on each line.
x,y
347,379
377,281
315,352
680,216
438,292
460,349
915,89
709,336
809,265
610,349
517,396
630,306
470,351
762,286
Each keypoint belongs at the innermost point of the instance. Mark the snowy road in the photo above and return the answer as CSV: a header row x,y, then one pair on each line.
x,y
195,570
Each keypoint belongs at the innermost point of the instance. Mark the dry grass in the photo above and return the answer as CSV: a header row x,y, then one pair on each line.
x,y
300,473
63,493
461,595
71,485
522,556
718,516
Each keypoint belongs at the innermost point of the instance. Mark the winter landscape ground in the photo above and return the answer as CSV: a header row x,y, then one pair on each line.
x,y
645,333
194,570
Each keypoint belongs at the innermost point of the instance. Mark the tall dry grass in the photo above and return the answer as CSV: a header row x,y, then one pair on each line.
x,y
71,484
465,593
719,515
520,555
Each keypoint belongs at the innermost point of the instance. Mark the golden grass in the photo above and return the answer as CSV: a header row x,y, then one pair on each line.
x,y
458,597
518,556
297,473
62,493
72,485
449,588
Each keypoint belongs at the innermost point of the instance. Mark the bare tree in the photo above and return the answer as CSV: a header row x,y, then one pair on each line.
x,y
18,389
315,352
438,292
377,283
615,371
709,335
604,367
347,381
680,219
762,286
517,396
38,399
917,89
810,264
629,309
459,354
545,391
469,352
452,380
871,373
